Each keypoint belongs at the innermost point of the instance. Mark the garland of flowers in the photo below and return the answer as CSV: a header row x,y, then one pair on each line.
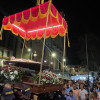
x,y
11,73
49,77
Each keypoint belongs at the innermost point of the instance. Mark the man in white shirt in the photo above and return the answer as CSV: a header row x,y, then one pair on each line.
x,y
83,93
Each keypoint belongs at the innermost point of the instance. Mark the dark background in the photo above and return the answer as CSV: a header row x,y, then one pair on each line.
x,y
83,20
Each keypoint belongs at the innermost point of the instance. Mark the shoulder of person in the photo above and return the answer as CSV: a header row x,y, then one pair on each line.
x,y
68,97
85,91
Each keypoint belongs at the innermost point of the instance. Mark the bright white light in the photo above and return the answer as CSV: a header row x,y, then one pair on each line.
x,y
18,27
29,49
35,54
51,63
59,74
43,28
53,54
64,59
45,61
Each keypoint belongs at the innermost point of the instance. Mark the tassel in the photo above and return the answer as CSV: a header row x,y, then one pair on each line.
x,y
38,2
42,1
68,43
1,33
68,38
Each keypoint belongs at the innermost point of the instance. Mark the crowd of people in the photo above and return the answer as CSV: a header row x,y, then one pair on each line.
x,y
80,90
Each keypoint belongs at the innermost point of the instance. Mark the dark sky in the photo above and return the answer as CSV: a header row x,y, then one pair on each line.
x,y
82,18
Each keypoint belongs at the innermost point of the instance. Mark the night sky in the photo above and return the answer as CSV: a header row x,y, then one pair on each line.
x,y
83,20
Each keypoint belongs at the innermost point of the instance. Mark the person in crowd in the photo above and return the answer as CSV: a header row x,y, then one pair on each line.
x,y
83,94
94,89
95,83
98,90
67,89
71,96
18,94
77,84
70,84
26,91
75,91
94,96
64,92
98,87
8,93
98,95
89,90
1,89
58,95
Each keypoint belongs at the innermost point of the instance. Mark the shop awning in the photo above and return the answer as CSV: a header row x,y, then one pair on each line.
x,y
31,23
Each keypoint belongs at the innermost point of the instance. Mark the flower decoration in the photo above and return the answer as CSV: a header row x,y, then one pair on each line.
x,y
11,73
49,77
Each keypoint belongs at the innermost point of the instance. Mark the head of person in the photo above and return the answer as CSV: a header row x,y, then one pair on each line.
x,y
81,86
77,83
61,81
65,86
70,82
88,87
96,81
71,93
99,85
94,89
8,85
94,95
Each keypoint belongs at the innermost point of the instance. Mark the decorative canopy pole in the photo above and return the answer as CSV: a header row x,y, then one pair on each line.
x,y
23,47
44,42
1,31
63,57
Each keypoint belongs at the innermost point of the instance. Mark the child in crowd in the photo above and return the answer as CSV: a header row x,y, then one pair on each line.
x,y
71,97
